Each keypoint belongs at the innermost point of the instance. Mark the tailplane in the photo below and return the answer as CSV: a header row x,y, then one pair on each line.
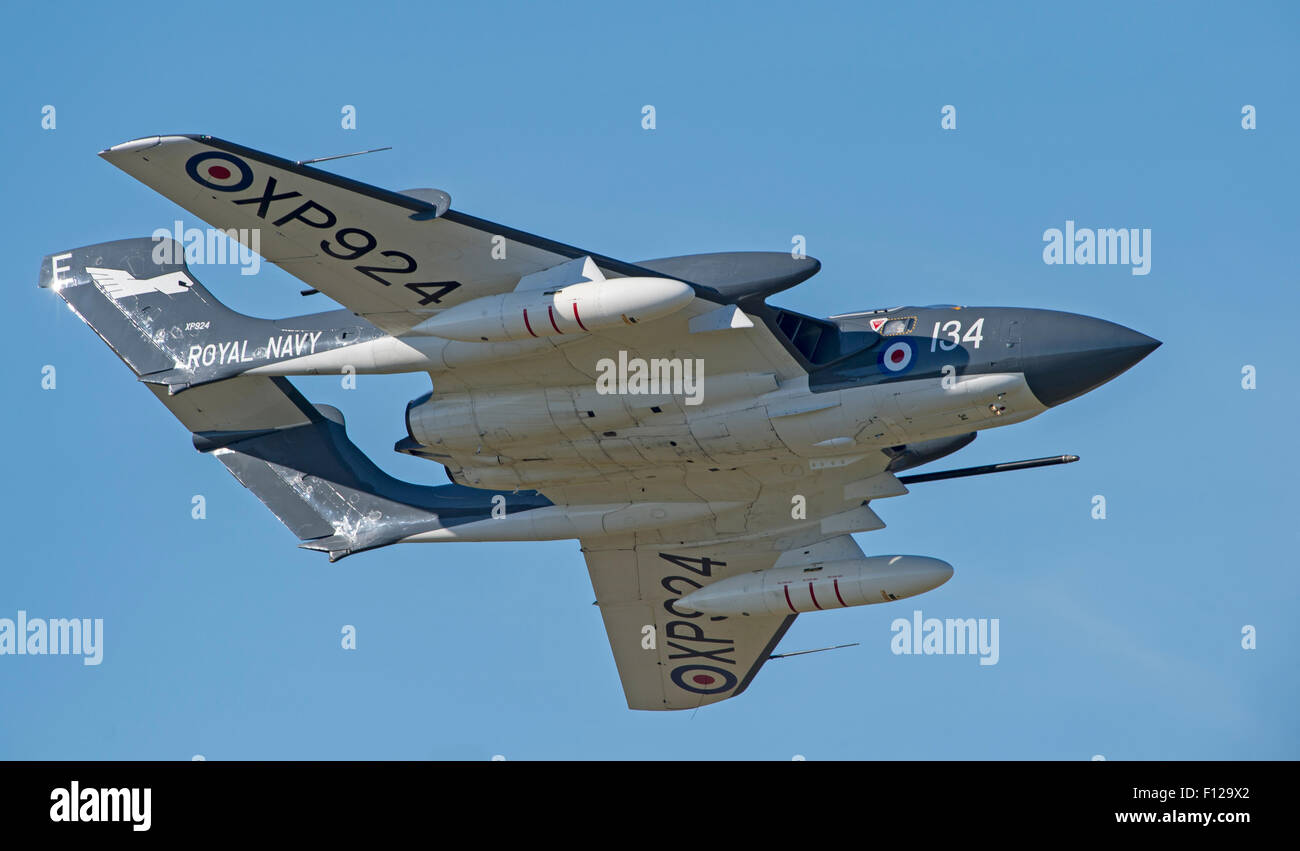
x,y
294,456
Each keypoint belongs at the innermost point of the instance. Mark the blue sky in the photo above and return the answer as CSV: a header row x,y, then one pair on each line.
x,y
1119,637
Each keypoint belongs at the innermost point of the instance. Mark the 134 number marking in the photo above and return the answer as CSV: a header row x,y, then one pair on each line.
x,y
952,334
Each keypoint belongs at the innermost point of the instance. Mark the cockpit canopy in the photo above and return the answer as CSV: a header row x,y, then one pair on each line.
x,y
822,341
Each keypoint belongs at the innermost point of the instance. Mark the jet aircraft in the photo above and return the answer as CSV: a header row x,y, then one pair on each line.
x,y
712,453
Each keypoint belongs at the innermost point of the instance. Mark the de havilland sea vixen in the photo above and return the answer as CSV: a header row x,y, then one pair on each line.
x,y
713,454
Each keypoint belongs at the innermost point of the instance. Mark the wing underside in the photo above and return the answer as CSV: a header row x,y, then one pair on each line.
x,y
394,258
670,657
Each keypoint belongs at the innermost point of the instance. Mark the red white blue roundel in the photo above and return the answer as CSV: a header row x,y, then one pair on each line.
x,y
221,171
897,357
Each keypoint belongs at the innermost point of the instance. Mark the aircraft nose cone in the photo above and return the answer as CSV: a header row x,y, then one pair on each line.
x,y
1072,354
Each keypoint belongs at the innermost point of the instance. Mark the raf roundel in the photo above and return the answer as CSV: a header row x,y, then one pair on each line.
x,y
897,357
220,171
703,679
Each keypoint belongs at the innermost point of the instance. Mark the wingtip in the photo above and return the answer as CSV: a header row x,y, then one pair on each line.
x,y
132,146
145,142
329,545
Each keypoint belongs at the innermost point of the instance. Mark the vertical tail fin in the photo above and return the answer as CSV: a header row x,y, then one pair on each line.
x,y
139,296
294,456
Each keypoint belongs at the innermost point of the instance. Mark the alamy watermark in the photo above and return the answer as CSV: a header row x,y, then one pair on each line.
x,y
132,805
651,377
24,636
947,637
208,246
1102,246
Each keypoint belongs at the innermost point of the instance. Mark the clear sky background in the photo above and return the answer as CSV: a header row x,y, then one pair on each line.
x,y
1120,637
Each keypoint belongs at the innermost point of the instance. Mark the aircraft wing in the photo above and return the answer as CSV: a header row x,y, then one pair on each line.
x,y
394,258
669,657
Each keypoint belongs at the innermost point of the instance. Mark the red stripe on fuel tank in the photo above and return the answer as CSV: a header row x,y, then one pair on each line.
x,y
577,317
787,600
